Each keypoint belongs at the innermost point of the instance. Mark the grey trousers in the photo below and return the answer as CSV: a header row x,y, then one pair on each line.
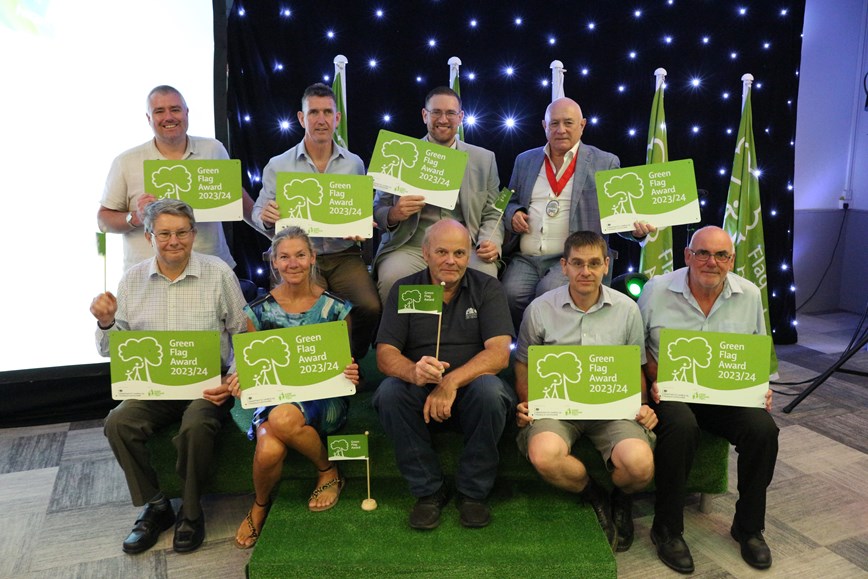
x,y
129,426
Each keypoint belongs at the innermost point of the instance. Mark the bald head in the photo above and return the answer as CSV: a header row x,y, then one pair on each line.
x,y
709,259
711,234
564,125
446,250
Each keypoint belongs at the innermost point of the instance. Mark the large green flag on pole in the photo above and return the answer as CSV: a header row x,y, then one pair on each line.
x,y
339,86
454,65
656,256
743,218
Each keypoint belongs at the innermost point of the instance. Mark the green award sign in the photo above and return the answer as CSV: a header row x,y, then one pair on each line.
x,y
326,205
403,165
714,368
211,187
293,364
663,194
584,382
163,365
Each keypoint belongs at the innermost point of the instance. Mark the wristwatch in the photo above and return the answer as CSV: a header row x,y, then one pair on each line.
x,y
130,220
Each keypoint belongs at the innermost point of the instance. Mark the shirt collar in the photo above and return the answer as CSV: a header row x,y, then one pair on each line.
x,y
301,151
568,156
679,285
188,152
563,299
193,269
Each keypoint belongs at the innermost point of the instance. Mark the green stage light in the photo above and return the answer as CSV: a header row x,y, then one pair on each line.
x,y
630,284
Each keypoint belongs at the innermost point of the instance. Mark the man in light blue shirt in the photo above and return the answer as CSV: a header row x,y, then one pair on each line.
x,y
586,313
707,296
339,261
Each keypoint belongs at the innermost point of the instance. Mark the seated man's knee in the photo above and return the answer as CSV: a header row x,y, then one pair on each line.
x,y
546,451
676,419
761,428
393,393
491,394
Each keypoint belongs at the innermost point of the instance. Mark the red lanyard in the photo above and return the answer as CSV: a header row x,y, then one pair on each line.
x,y
558,185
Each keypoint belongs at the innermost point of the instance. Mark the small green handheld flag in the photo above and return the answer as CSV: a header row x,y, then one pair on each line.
x,y
503,200
420,299
100,243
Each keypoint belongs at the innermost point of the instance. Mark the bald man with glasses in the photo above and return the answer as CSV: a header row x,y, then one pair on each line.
x,y
706,296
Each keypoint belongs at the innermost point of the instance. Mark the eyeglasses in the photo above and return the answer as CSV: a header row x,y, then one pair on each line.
x,y
437,113
703,255
181,234
593,265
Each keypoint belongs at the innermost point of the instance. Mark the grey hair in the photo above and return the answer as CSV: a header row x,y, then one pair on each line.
x,y
163,89
167,207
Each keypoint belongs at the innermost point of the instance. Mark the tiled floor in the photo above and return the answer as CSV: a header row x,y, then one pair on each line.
x,y
67,509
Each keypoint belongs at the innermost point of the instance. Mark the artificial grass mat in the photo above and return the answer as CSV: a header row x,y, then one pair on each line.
x,y
535,530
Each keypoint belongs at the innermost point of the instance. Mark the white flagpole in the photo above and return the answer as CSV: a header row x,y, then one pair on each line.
x,y
368,504
341,70
660,73
746,81
454,64
557,79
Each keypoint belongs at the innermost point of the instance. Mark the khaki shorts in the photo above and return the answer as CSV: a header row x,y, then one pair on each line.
x,y
604,434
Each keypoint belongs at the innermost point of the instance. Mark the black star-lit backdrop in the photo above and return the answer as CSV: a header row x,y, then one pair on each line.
x,y
398,50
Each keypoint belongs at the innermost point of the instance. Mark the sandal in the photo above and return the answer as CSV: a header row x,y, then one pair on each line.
x,y
335,482
254,533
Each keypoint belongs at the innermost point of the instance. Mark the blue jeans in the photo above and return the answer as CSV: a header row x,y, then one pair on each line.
x,y
480,412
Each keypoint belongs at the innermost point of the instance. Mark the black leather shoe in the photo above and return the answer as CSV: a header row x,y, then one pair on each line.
x,y
189,535
754,549
473,514
622,518
426,512
672,550
599,501
149,525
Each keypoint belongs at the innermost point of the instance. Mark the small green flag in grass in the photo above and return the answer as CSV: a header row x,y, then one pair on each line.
x,y
348,447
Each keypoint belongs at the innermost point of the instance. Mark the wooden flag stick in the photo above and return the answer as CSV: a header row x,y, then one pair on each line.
x,y
439,324
368,504
496,225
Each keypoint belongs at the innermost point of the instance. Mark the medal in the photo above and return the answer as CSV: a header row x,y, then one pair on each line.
x,y
553,208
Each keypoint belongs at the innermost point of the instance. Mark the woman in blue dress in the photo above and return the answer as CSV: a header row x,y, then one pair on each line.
x,y
300,426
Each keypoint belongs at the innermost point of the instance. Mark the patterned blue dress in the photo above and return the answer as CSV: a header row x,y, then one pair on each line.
x,y
328,415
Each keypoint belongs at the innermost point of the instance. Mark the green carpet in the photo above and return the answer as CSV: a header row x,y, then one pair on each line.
x,y
535,531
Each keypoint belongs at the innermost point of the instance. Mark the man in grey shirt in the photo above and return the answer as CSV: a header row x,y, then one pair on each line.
x,y
586,313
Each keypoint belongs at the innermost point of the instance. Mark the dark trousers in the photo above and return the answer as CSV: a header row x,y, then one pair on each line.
x,y
480,412
346,275
752,431
129,426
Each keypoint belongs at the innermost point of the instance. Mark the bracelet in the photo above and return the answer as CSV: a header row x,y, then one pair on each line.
x,y
108,327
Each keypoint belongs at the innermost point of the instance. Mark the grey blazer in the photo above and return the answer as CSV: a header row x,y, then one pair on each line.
x,y
479,189
584,209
